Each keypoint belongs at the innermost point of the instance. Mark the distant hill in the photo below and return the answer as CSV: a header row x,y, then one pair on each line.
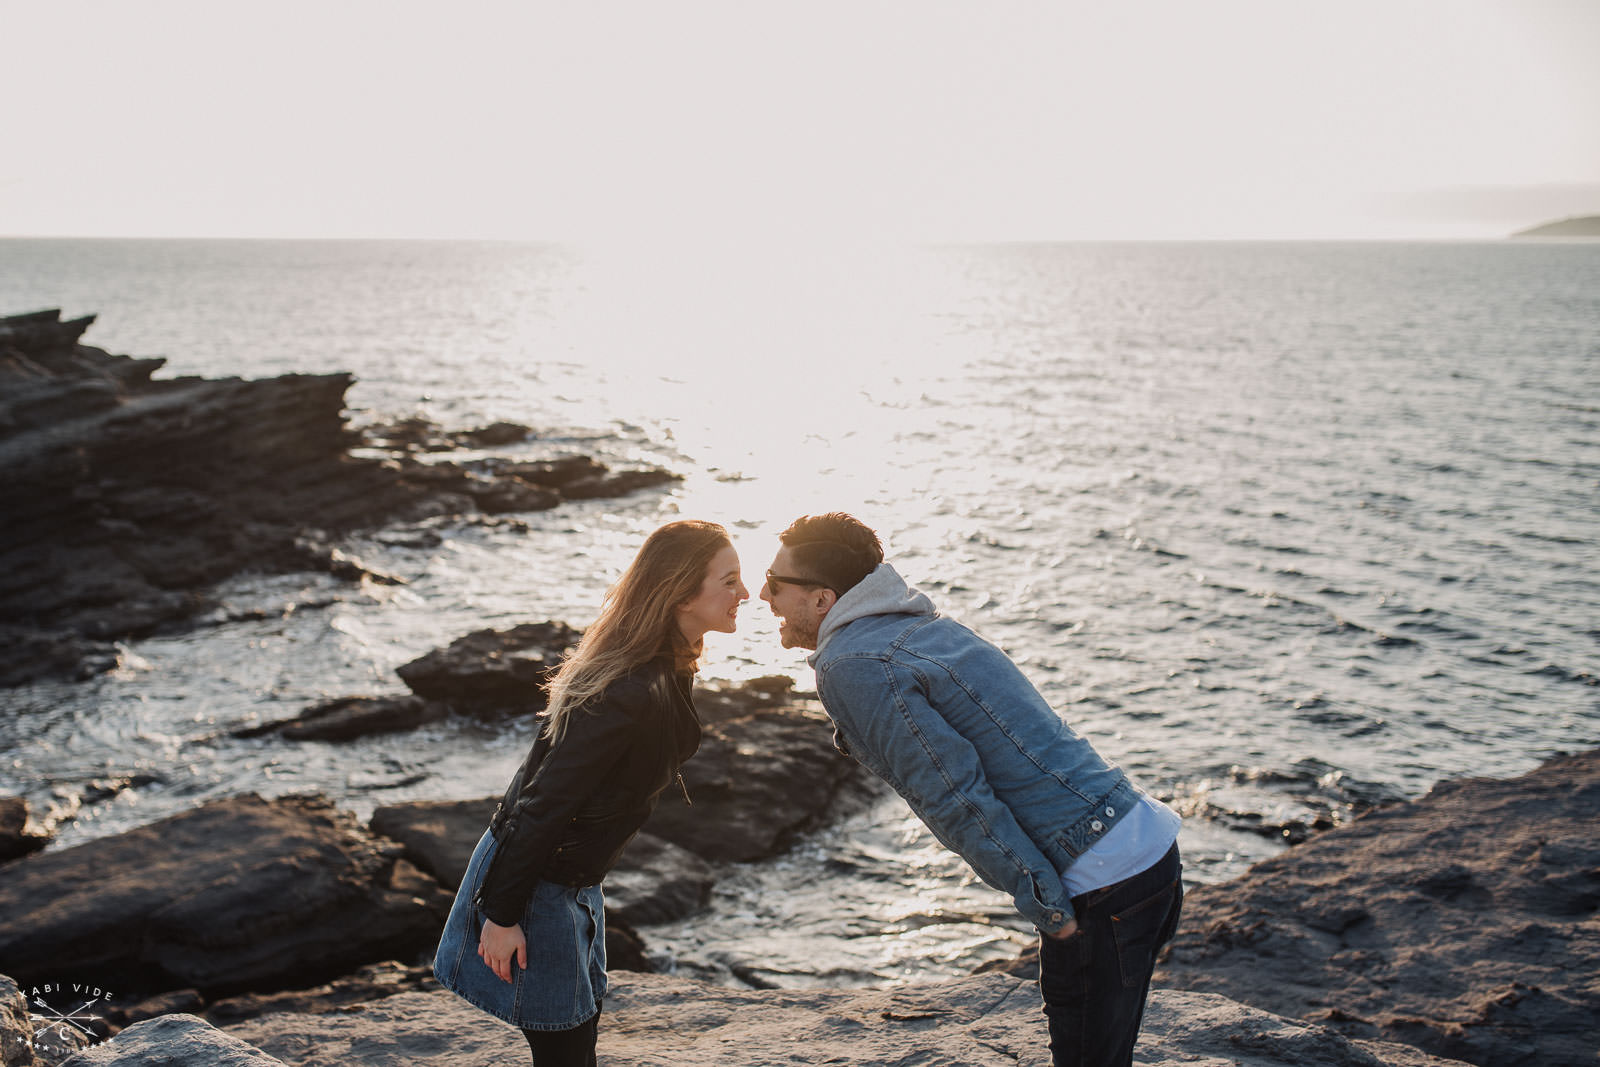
x,y
1577,226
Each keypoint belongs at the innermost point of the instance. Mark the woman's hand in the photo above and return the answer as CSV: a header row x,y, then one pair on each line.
x,y
498,944
1065,932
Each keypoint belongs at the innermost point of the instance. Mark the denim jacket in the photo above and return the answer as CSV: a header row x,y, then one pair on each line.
x,y
949,721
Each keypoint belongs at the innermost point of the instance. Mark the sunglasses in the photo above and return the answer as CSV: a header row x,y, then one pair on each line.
x,y
773,581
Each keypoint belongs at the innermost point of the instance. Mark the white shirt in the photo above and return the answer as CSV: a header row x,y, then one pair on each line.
x,y
1140,839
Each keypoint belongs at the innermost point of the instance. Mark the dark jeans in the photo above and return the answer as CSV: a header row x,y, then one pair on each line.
x,y
1096,981
565,1048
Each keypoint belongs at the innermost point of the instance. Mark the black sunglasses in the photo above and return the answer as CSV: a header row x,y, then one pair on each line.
x,y
774,579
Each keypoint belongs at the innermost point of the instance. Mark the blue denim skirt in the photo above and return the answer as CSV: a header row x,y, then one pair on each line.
x,y
566,933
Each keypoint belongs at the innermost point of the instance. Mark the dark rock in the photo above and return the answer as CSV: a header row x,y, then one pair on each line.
x,y
657,882
492,671
438,835
173,1041
508,495
758,782
719,703
237,895
127,497
618,483
16,1026
178,1001
556,473
654,1019
1467,922
413,434
494,435
351,717
367,984
625,949
320,556
654,882
15,840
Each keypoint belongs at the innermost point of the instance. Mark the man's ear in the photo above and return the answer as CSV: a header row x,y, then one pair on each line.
x,y
826,599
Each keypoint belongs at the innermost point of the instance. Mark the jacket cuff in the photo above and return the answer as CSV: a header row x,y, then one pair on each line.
x,y
1049,917
497,912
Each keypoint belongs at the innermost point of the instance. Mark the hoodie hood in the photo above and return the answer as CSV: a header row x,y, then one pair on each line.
x,y
883,592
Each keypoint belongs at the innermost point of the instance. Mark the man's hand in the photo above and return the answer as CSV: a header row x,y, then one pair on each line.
x,y
498,944
1065,932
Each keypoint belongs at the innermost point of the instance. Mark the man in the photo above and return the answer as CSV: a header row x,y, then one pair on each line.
x,y
948,720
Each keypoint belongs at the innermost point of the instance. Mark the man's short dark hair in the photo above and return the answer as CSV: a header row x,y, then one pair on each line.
x,y
836,549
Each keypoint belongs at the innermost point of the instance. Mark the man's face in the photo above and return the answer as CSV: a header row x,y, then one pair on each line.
x,y
800,608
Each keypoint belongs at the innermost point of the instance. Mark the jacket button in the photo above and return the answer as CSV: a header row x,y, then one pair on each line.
x,y
1110,812
1097,826
1055,916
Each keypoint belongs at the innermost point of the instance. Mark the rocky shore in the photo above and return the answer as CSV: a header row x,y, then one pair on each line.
x,y
1462,927
127,496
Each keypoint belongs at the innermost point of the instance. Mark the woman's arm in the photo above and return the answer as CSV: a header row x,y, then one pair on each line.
x,y
596,738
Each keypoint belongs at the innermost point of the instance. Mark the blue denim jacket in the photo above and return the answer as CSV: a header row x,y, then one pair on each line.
x,y
949,721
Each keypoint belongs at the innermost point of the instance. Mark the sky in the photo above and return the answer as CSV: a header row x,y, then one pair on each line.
x,y
927,121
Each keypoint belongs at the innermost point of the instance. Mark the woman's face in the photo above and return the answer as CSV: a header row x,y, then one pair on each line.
x,y
716,605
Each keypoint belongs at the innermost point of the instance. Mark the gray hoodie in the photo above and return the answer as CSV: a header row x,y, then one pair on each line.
x,y
883,592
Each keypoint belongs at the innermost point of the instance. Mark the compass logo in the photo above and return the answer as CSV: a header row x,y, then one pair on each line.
x,y
64,1015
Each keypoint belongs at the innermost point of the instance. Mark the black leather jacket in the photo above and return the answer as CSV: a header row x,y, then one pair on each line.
x,y
573,806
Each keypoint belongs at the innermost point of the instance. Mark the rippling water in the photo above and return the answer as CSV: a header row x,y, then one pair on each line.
x,y
1266,521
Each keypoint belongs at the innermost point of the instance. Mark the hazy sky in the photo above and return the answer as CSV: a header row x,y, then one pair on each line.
x,y
603,121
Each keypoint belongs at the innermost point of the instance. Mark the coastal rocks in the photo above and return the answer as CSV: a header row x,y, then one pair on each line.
x,y
1312,796
37,1039
657,882
237,895
127,497
487,673
16,1027
490,672
654,882
653,1019
438,835
372,982
758,782
351,717
173,1041
1466,923
15,840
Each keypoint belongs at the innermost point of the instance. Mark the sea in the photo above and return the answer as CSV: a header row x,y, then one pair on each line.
x,y
1286,529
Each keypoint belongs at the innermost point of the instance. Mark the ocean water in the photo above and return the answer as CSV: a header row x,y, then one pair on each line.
x,y
1282,527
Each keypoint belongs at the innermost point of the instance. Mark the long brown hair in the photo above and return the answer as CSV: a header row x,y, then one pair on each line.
x,y
638,620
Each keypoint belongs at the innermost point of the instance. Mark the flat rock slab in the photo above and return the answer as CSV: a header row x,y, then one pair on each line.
x,y
438,835
173,1041
655,881
240,894
492,672
1466,923
652,1020
759,782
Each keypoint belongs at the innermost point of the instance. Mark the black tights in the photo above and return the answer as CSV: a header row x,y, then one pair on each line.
x,y
564,1048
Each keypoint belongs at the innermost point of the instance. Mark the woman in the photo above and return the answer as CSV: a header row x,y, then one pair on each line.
x,y
525,940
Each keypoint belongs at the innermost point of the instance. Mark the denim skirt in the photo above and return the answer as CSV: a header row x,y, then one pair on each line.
x,y
566,933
